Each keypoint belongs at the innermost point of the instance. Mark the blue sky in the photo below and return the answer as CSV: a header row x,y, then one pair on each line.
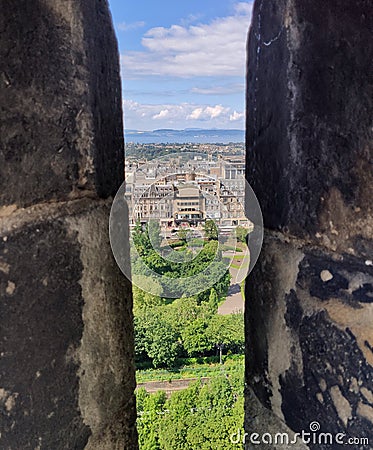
x,y
183,62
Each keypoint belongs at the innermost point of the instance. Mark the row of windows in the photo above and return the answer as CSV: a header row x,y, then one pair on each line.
x,y
187,203
152,207
187,209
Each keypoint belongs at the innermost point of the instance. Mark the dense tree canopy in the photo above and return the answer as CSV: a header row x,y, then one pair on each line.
x,y
203,416
183,328
167,329
185,273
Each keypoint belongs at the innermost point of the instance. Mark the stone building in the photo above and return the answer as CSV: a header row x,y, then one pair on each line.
x,y
151,189
189,205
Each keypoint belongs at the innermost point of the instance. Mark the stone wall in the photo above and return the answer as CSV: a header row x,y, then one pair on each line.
x,y
309,315
66,339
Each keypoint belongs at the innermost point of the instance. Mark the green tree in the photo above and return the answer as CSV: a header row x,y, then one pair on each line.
x,y
162,344
154,232
183,234
141,396
226,331
211,230
213,300
140,339
147,239
149,298
140,239
156,337
195,340
182,311
223,283
203,417
148,420
241,233
174,426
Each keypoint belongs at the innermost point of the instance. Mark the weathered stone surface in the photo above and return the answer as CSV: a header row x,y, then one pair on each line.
x,y
309,131
309,347
331,357
41,328
309,315
262,422
66,343
61,133
67,376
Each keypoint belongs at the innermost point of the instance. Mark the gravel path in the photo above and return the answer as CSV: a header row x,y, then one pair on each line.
x,y
234,302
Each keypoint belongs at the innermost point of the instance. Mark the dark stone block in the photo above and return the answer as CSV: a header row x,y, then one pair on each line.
x,y
66,342
331,355
41,328
322,358
309,104
61,132
363,247
267,116
256,345
309,161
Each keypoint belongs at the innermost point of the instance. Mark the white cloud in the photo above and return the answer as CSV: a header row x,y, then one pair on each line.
x,y
150,116
212,49
191,19
236,116
243,8
195,114
207,112
162,114
130,26
215,111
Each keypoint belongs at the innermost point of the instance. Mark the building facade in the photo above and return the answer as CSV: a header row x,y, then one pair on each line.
x,y
187,192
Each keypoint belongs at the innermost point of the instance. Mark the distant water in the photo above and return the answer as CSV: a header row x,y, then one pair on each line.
x,y
193,136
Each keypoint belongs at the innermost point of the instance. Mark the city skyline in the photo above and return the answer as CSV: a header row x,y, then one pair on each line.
x,y
182,64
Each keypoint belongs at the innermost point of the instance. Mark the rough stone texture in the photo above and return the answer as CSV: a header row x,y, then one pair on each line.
x,y
60,109
309,317
66,342
309,117
41,328
66,332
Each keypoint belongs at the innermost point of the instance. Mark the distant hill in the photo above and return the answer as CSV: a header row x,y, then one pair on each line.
x,y
189,135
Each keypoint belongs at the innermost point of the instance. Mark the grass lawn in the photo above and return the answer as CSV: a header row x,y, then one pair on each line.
x,y
238,257
232,363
